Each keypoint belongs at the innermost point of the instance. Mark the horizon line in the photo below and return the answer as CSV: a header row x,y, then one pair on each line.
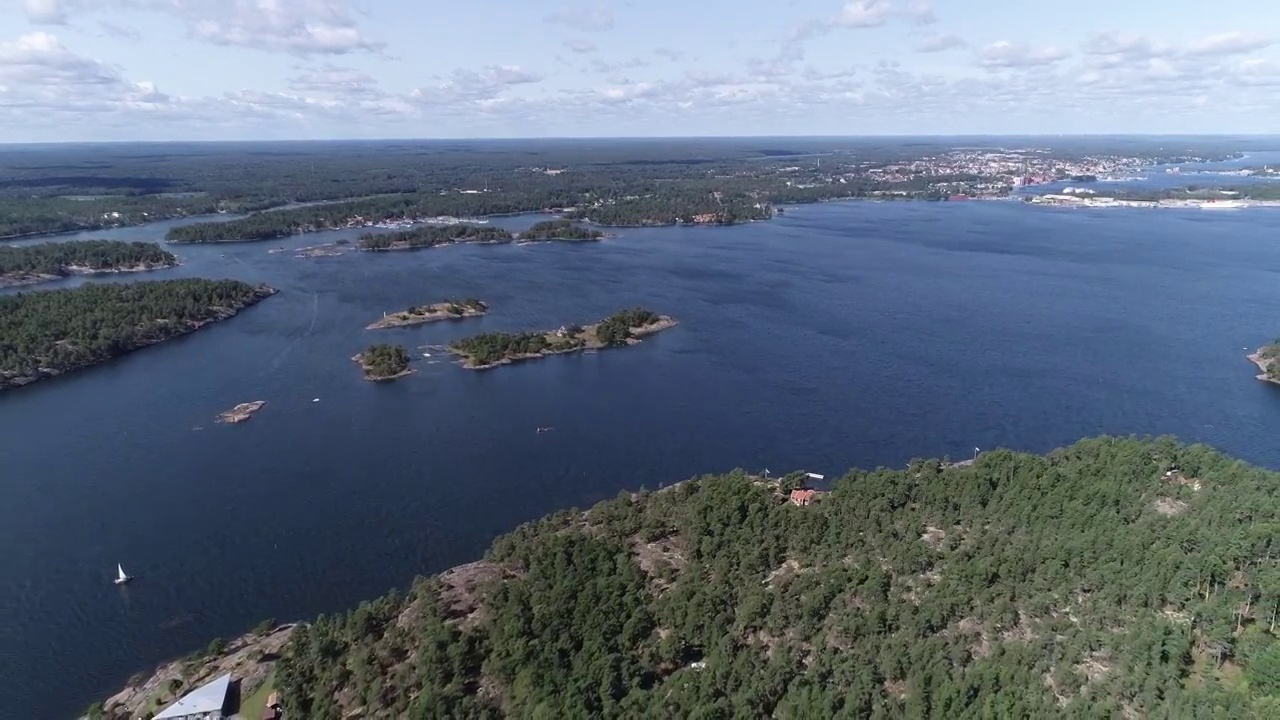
x,y
534,138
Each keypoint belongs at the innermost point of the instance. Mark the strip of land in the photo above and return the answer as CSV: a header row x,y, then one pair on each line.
x,y
52,261
417,315
626,327
49,333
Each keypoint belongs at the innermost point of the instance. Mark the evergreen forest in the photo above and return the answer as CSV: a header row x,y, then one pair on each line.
x,y
1118,577
51,332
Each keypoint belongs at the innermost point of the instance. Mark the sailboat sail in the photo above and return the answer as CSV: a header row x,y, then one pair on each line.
x,y
120,569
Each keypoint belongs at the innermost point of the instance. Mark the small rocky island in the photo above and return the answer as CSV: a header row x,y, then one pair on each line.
x,y
383,363
559,230
1267,358
625,327
447,310
242,412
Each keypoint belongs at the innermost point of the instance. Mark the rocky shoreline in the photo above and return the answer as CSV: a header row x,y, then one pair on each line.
x,y
21,279
1265,363
242,412
431,313
370,377
261,292
664,322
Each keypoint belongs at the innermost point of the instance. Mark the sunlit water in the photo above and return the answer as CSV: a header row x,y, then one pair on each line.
x,y
850,334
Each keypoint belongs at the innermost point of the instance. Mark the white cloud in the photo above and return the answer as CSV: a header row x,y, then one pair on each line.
x,y
863,14
40,59
1228,43
939,42
587,18
1006,54
45,12
337,81
605,68
474,86
580,46
921,11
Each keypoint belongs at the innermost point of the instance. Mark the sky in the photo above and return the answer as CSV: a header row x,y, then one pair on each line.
x,y
115,70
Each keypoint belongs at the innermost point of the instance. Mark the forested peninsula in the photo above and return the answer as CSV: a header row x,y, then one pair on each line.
x,y
419,314
428,236
1267,358
563,230
27,265
1113,578
626,327
47,333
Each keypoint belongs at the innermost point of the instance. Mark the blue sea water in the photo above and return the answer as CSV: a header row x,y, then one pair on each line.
x,y
838,335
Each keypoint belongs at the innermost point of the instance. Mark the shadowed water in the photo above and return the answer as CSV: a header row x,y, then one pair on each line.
x,y
851,334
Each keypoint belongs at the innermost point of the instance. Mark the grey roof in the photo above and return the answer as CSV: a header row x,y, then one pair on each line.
x,y
207,698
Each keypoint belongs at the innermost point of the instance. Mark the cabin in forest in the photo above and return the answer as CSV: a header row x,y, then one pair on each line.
x,y
801,497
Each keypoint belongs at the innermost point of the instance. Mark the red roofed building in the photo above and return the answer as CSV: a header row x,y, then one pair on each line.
x,y
801,498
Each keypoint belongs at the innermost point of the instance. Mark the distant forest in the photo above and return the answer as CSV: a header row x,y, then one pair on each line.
x,y
1113,578
52,332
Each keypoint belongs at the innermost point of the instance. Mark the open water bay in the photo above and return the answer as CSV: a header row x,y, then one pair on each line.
x,y
838,335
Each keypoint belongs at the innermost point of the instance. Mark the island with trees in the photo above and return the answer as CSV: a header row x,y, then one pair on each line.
x,y
382,363
419,314
1117,577
48,333
429,236
560,230
1267,358
31,264
626,327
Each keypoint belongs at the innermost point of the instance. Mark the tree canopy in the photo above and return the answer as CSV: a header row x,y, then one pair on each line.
x,y
58,258
50,332
1114,577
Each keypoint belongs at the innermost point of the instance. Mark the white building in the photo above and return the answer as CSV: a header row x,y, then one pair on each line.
x,y
207,702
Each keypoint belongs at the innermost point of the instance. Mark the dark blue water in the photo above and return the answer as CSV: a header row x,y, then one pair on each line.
x,y
845,334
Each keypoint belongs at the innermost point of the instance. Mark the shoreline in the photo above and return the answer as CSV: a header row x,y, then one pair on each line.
x,y
436,312
359,360
664,322
25,279
1264,365
260,293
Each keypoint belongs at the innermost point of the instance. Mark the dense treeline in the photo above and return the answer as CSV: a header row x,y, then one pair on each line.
x,y
384,361
29,216
426,236
559,230
1113,578
674,205
60,258
47,333
490,348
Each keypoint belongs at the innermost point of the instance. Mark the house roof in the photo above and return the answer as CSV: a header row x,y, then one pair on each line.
x,y
803,494
207,698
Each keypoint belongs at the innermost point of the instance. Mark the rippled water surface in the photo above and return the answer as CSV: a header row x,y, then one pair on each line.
x,y
851,334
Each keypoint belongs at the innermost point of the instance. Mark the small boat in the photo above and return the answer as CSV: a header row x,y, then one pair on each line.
x,y
121,578
316,400
544,429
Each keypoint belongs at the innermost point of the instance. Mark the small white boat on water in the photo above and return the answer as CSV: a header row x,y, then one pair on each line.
x,y
121,578
316,400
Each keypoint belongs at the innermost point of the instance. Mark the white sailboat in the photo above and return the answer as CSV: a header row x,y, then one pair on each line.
x,y
121,578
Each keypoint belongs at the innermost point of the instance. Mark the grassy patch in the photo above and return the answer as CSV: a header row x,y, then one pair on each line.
x,y
251,707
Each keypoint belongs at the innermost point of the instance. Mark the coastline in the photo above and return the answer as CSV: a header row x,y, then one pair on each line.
x,y
260,293
435,313
665,322
359,360
1264,364
23,279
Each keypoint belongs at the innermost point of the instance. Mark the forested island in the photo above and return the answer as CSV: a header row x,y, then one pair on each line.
x,y
1267,358
384,362
428,236
625,327
565,230
47,333
31,264
1113,578
418,314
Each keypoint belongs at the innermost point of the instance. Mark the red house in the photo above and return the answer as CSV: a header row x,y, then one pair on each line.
x,y
802,498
